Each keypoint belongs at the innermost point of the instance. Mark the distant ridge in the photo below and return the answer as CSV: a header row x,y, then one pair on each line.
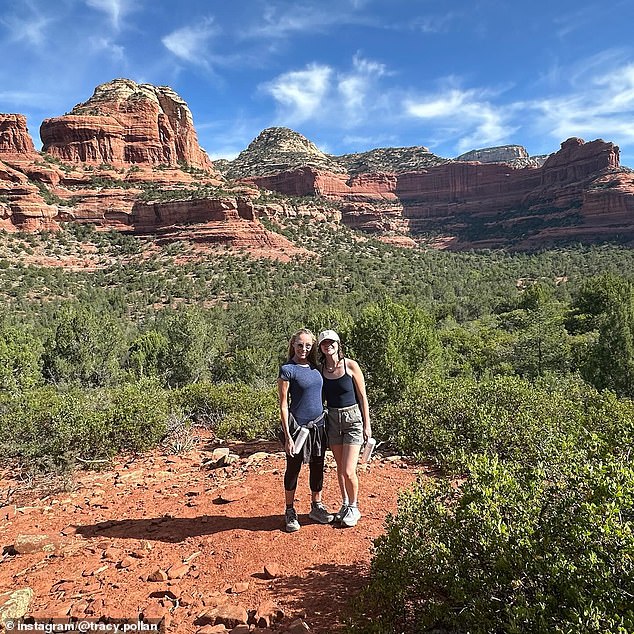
x,y
277,150
280,149
514,155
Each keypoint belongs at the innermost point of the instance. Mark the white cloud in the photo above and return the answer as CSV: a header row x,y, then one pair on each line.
x,y
467,115
280,21
191,43
105,44
30,29
320,93
434,24
357,87
603,106
301,94
115,9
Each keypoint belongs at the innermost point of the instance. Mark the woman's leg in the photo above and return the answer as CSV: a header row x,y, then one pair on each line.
x,y
337,452
349,459
316,478
293,467
318,511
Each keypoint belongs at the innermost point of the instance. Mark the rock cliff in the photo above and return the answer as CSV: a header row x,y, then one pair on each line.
x,y
514,155
475,204
125,123
129,159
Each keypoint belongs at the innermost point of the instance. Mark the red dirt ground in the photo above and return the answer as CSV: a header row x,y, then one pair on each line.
x,y
150,512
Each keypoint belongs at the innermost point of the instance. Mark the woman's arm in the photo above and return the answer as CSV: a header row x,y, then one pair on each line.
x,y
282,391
359,383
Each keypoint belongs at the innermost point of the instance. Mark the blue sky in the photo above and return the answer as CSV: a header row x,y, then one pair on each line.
x,y
351,75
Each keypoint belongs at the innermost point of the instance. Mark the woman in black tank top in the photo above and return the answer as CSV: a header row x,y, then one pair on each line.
x,y
348,420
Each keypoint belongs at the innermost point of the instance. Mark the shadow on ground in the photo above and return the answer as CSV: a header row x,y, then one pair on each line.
x,y
325,594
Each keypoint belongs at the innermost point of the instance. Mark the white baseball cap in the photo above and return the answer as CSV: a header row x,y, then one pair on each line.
x,y
329,335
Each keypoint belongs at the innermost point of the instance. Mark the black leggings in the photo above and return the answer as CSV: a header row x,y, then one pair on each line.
x,y
316,474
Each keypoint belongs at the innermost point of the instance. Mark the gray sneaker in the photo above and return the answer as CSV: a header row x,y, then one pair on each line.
x,y
340,513
351,518
319,513
290,518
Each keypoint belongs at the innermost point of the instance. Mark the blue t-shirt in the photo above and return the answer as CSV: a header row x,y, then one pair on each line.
x,y
305,383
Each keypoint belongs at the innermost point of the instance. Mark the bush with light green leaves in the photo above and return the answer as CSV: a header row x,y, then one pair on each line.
x,y
510,418
58,430
515,549
230,410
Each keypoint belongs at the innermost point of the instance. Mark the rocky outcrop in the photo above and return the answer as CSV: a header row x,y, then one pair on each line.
x,y
514,155
390,160
129,159
492,205
15,141
482,204
499,154
277,150
123,124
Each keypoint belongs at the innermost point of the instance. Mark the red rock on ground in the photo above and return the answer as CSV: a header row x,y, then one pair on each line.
x,y
140,505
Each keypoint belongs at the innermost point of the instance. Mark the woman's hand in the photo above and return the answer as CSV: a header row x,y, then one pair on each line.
x,y
288,445
367,431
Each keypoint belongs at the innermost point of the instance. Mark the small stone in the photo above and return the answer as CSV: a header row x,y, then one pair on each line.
x,y
241,586
212,629
154,612
8,512
91,572
298,627
227,615
233,494
158,575
15,604
271,570
126,562
258,456
27,544
113,554
218,457
177,571
267,613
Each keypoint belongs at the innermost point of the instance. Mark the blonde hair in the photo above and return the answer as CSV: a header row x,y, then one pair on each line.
x,y
312,355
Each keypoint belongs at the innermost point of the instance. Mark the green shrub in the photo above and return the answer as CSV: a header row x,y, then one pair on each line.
x,y
45,428
231,410
515,550
506,417
20,358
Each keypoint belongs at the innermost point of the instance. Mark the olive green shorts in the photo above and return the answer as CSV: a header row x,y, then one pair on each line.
x,y
344,425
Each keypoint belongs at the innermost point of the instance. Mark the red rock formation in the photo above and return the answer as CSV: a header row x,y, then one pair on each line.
x,y
570,190
15,140
125,123
147,217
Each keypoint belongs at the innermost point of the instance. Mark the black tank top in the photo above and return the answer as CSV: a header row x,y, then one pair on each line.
x,y
339,392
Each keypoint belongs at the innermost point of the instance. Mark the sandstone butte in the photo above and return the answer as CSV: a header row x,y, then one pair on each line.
x,y
128,158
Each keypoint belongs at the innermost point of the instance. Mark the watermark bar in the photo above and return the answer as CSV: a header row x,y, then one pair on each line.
x,y
82,625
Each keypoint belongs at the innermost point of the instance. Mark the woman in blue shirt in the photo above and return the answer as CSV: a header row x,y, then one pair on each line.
x,y
299,389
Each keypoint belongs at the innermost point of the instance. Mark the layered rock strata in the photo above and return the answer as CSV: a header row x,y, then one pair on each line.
x,y
126,123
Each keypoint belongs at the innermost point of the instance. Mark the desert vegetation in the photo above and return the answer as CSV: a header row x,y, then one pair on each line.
x,y
513,374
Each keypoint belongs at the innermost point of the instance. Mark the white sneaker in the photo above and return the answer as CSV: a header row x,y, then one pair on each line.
x,y
291,521
351,517
319,513
341,512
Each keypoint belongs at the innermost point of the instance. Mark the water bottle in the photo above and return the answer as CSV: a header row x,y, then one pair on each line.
x,y
300,440
367,450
